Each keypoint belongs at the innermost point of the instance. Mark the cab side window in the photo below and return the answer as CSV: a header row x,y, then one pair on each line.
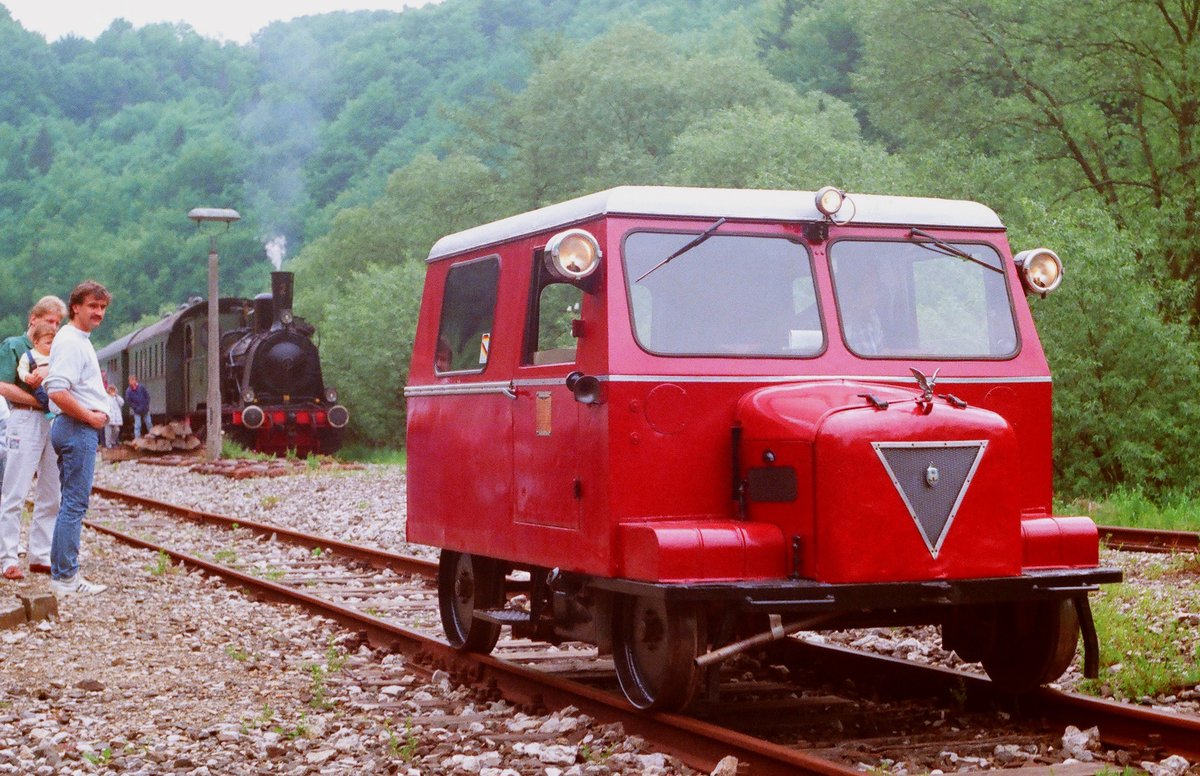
x,y
468,312
554,305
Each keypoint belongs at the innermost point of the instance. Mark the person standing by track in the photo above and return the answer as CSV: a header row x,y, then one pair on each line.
x,y
76,388
138,399
112,432
27,441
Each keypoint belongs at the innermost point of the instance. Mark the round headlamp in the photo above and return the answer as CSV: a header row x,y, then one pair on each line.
x,y
338,416
573,254
1041,270
253,417
331,395
829,200
248,396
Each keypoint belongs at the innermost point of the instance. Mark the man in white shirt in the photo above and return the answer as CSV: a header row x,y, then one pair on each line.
x,y
76,388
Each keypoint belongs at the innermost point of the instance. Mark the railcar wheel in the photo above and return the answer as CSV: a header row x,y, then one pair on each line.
x,y
466,583
1033,645
655,644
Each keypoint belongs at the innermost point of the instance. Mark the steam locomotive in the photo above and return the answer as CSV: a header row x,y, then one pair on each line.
x,y
703,419
273,396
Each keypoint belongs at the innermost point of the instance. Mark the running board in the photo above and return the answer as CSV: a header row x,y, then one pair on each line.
x,y
502,616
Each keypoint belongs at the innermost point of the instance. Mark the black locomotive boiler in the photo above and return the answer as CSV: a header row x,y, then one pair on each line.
x,y
273,396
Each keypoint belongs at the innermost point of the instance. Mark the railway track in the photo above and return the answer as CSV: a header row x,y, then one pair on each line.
x,y
779,715
1148,539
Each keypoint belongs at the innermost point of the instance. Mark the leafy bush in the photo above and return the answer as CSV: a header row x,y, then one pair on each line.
x,y
1124,378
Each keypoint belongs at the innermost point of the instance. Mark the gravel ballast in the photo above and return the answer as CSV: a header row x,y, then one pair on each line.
x,y
174,673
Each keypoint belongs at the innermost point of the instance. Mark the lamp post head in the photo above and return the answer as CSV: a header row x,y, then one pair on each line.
x,y
202,214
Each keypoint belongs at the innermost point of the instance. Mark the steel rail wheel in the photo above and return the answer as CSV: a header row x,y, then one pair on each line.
x,y
1033,644
655,645
466,583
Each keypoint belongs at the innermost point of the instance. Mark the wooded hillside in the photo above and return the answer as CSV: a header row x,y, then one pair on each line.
x,y
360,138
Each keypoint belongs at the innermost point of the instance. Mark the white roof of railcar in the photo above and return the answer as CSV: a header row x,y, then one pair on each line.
x,y
754,204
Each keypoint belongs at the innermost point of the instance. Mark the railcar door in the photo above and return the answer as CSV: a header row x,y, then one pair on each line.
x,y
547,486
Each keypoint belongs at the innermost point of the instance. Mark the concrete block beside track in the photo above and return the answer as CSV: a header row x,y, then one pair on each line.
x,y
39,606
12,614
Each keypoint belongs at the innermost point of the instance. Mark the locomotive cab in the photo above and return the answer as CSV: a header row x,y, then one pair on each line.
x,y
687,412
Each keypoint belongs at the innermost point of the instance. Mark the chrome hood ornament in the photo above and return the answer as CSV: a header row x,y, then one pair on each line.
x,y
925,383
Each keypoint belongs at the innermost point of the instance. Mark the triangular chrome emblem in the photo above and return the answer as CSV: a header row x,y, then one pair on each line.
x,y
932,479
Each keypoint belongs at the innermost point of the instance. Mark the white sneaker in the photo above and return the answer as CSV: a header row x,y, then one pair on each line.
x,y
75,585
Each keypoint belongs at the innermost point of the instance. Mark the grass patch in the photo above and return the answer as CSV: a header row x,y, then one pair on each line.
x,y
299,730
1177,564
335,659
162,565
237,653
402,747
1133,509
1145,646
231,449
270,573
364,454
99,758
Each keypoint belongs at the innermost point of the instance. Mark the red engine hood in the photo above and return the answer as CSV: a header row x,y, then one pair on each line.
x,y
886,488
795,411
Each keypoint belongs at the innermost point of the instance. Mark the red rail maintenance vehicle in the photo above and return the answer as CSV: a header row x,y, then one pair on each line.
x,y
702,419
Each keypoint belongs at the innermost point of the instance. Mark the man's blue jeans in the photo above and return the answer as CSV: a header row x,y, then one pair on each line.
x,y
138,420
75,443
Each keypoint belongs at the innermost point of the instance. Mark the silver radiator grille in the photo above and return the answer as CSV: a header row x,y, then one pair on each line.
x,y
931,478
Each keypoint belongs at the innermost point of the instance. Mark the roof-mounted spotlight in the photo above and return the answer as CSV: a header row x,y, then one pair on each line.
x,y
829,201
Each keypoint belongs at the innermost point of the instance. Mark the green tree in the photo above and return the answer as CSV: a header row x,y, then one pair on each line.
x,y
608,112
426,199
1104,95
366,343
813,44
799,144
1124,380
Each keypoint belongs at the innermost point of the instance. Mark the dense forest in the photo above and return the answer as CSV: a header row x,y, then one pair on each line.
x,y
351,141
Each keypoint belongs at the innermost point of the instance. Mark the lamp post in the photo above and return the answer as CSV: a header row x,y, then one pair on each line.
x,y
213,428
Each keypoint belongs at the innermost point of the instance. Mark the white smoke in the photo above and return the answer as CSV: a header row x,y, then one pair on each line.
x,y
276,249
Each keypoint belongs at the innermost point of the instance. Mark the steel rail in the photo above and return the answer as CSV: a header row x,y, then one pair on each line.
x,y
1148,539
403,564
698,744
1120,724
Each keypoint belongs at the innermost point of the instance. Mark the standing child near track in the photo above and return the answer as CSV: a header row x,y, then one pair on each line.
x,y
112,431
38,357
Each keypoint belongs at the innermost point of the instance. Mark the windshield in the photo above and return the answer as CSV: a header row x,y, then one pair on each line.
x,y
904,299
735,295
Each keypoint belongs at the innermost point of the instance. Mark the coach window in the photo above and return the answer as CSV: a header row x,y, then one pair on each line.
x,y
554,306
468,312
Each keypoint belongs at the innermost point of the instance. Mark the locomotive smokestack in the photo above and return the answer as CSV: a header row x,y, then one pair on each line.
x,y
281,293
264,312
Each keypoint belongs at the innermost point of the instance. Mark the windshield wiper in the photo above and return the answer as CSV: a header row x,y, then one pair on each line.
x,y
949,250
694,242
